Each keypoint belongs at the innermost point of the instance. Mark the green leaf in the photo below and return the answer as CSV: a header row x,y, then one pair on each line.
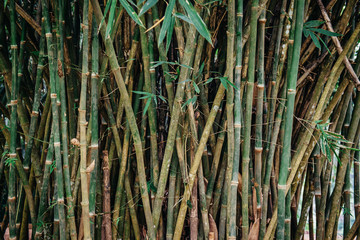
x,y
10,161
325,32
143,93
183,17
201,69
5,3
191,100
313,23
167,21
209,80
109,26
196,20
170,33
162,98
197,89
149,4
158,63
315,40
148,101
231,84
306,32
325,46
107,7
224,82
131,12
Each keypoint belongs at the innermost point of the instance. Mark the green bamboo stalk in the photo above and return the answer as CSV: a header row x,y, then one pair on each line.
x,y
171,199
259,109
203,206
218,189
83,124
106,223
223,210
35,112
94,152
64,123
149,77
231,176
308,199
356,183
13,126
277,63
44,189
120,184
215,163
347,184
291,90
347,190
127,224
131,204
247,120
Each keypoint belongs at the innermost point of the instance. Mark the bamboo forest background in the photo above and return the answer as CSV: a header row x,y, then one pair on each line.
x,y
179,119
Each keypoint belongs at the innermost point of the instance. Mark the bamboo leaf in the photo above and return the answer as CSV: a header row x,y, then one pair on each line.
x,y
325,46
107,7
197,89
170,33
313,23
167,21
143,93
162,98
201,69
191,100
158,63
306,32
109,26
315,40
209,80
325,32
196,20
183,17
131,12
149,4
148,101
223,82
231,84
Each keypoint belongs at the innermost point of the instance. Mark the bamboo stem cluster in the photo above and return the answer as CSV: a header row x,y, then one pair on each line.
x,y
179,119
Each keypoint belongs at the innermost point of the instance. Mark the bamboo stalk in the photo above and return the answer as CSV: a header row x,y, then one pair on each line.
x,y
247,120
94,152
106,224
291,90
83,124
64,123
13,126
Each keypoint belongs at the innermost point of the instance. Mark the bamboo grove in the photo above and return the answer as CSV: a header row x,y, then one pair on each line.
x,y
179,119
